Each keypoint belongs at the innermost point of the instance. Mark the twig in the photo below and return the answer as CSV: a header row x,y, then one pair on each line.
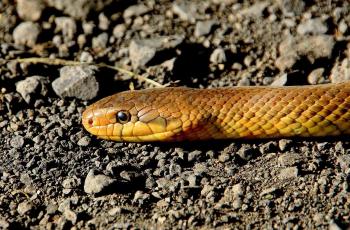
x,y
57,61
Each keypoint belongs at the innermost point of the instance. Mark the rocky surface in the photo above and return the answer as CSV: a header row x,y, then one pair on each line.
x,y
55,175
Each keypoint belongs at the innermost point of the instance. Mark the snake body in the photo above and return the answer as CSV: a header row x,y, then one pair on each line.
x,y
176,114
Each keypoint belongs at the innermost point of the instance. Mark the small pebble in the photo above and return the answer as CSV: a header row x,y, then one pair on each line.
x,y
84,141
103,21
67,26
316,76
114,211
286,62
255,10
204,27
26,33
100,42
341,72
295,7
284,144
135,10
29,86
24,208
288,173
143,51
97,183
343,27
218,56
4,224
71,183
140,197
344,162
119,31
288,159
280,81
30,10
186,12
313,47
17,142
71,216
312,26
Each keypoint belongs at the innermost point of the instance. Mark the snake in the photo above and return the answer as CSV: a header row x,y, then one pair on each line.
x,y
241,112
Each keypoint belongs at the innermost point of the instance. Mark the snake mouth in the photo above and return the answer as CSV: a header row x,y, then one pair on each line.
x,y
156,137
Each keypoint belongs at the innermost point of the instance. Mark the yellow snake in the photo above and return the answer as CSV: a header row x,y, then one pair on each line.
x,y
175,114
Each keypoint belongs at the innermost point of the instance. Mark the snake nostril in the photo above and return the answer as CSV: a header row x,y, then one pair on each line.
x,y
90,121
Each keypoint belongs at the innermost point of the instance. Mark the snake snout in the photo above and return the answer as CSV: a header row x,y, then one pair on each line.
x,y
87,119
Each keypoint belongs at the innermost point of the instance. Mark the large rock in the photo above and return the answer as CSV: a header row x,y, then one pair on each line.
x,y
76,81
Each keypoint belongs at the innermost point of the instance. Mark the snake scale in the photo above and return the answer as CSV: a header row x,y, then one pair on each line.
x,y
177,114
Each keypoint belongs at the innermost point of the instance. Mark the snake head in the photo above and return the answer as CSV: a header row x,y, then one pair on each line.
x,y
134,116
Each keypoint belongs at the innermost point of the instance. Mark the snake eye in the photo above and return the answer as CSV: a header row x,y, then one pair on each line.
x,y
123,117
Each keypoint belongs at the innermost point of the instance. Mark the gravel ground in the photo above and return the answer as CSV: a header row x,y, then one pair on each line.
x,y
55,175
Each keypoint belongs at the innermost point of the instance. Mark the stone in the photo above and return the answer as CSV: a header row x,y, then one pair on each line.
x,y
30,10
280,81
343,27
224,157
100,42
344,162
24,208
255,10
296,7
186,12
218,56
246,152
97,183
70,215
27,87
143,51
268,191
233,196
140,197
67,26
207,189
114,211
26,33
244,81
288,159
288,173
341,71
312,26
31,85
204,27
86,57
313,47
284,144
51,209
103,21
286,62
88,27
84,141
316,76
4,224
17,142
71,183
78,9
135,10
119,31
76,81
334,226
